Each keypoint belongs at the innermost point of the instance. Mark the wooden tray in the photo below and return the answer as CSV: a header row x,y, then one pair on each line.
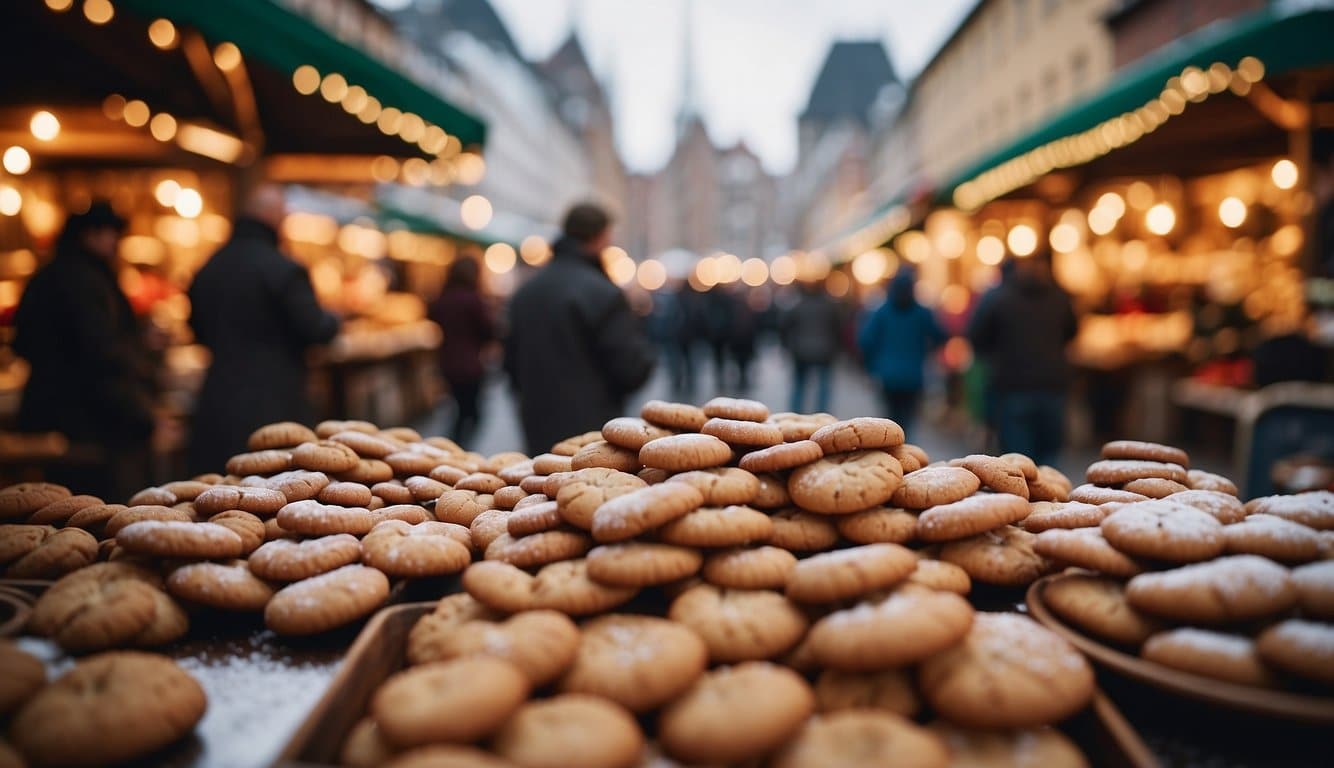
x,y
1261,701
1101,731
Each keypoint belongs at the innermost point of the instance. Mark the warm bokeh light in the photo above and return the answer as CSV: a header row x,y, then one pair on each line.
x,y
98,11
364,241
17,160
384,168
11,202
475,211
1284,174
113,106
534,250
303,227
990,250
306,79
471,168
333,87
59,5
1101,221
706,272
500,258
162,126
189,203
1160,219
783,270
355,99
166,191
754,272
162,33
227,56
1232,212
44,126
914,246
619,266
1064,238
1113,202
136,113
954,299
838,284
1022,240
869,268
951,243
729,267
652,275
1287,240
1140,195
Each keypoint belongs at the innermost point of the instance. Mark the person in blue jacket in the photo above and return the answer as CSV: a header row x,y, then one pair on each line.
x,y
895,340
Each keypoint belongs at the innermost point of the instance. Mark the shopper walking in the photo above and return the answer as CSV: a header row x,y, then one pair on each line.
x,y
575,350
811,331
895,340
91,376
467,328
1022,331
255,310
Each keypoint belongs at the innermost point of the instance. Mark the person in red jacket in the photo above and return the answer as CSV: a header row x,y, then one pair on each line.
x,y
468,328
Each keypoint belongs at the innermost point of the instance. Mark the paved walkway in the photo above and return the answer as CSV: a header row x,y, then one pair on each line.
x,y
942,432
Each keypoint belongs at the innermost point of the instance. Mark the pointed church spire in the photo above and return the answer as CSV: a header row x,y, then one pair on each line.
x,y
687,112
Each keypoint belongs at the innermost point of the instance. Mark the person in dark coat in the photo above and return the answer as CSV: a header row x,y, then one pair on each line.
x,y
895,341
255,310
466,324
811,333
1022,331
575,350
91,375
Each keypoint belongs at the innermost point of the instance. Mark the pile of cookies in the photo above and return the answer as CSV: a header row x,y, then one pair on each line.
x,y
719,585
108,709
1177,568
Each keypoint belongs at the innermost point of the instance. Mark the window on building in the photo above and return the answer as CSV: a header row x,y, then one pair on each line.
x,y
1020,19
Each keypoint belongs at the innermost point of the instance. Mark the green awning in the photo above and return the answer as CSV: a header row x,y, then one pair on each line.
x,y
390,219
285,40
1283,37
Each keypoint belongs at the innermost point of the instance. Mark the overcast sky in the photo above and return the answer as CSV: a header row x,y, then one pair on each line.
x,y
754,60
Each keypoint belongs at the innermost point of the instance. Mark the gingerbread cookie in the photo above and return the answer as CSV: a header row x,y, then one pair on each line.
x,y
1155,487
563,586
718,527
854,738
859,434
931,486
1085,548
327,601
846,482
1229,589
57,553
639,662
60,510
678,416
23,499
1225,508
1045,515
734,714
942,576
1098,606
641,564
25,674
798,531
261,502
740,625
1097,495
749,568
538,548
1200,480
1272,537
684,452
226,586
249,528
1009,672
1314,509
533,518
848,573
1050,485
460,507
736,408
1164,530
507,497
451,701
480,482
1028,747
182,540
995,473
141,513
487,527
631,433
971,516
112,708
571,729
1315,588
311,518
295,485
743,433
879,524
1218,655
431,548
366,446
1004,557
589,489
800,426
259,462
542,644
891,690
102,606
1301,648
1119,471
1145,451
772,493
902,627
782,456
287,560
721,486
631,514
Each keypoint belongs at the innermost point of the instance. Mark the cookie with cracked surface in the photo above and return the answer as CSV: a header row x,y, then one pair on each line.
x,y
782,456
539,548
289,560
633,513
900,627
403,550
891,690
1219,655
249,528
930,486
460,507
684,452
763,567
879,524
589,489
102,606
261,502
641,564
327,601
226,586
1009,672
563,586
408,513
1272,537
61,510
995,473
847,573
118,707
859,434
845,482
533,518
639,662
971,516
1003,557
312,518
717,527
542,644
734,714
458,701
772,493
1085,548
1229,589
571,729
1097,605
1164,530
798,531
852,738
20,500
740,624
736,408
487,527
721,486
57,553
295,485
